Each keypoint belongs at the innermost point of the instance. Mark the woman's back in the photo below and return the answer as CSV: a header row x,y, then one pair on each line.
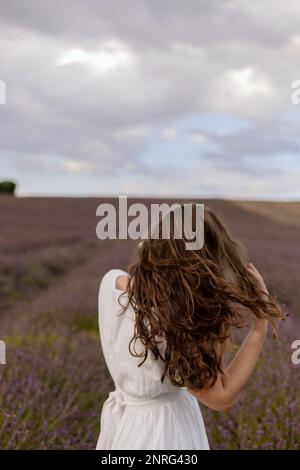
x,y
142,412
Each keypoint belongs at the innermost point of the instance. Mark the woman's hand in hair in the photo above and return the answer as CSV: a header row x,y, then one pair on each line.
x,y
260,324
258,277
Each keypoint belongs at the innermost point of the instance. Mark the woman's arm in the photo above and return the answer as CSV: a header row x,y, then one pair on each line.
x,y
226,390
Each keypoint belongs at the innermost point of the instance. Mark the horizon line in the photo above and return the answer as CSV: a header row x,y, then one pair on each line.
x,y
154,196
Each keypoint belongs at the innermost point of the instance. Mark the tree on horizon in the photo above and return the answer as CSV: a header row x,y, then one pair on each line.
x,y
7,187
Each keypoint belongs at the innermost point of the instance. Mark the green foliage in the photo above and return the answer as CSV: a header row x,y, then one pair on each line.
x,y
7,187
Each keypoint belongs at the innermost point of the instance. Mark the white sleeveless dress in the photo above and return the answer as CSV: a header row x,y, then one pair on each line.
x,y
141,413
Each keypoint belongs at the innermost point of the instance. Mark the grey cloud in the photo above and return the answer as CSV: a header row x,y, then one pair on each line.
x,y
274,138
184,52
156,22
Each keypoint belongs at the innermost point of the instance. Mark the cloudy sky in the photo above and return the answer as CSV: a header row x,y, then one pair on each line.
x,y
156,97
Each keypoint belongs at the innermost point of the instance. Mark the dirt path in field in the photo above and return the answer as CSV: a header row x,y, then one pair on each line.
x,y
287,213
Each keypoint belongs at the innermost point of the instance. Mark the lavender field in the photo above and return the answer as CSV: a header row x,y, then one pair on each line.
x,y
55,380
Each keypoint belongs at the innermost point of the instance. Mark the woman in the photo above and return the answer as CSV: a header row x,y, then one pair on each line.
x,y
164,327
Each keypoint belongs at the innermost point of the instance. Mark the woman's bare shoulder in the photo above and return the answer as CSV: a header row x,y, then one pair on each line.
x,y
121,282
110,278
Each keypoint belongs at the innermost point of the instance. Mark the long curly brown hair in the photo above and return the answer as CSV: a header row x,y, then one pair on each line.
x,y
188,300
